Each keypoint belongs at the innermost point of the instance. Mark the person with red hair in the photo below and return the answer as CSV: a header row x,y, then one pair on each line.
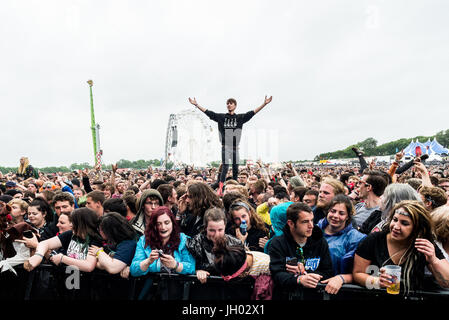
x,y
162,248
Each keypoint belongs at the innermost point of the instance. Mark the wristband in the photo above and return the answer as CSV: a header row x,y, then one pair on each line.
x,y
176,267
342,279
60,261
98,252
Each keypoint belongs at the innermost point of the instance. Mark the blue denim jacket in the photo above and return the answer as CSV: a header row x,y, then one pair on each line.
x,y
182,255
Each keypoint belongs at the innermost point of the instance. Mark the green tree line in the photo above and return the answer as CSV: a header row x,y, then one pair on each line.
x,y
122,163
370,147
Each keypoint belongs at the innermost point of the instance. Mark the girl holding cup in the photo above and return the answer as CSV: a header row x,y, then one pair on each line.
x,y
406,241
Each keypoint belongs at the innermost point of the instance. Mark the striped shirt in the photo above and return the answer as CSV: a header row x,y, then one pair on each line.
x,y
261,263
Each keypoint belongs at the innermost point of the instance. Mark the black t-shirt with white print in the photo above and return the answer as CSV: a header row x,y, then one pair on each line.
x,y
230,125
75,247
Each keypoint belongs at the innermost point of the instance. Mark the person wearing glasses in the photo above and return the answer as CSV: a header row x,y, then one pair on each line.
x,y
48,185
149,201
342,239
369,188
299,257
393,194
230,127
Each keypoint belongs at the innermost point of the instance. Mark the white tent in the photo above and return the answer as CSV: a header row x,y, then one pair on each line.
x,y
429,147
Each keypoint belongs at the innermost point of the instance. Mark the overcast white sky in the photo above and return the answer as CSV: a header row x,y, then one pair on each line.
x,y
339,72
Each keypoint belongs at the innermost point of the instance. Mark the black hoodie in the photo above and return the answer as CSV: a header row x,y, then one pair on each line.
x,y
316,255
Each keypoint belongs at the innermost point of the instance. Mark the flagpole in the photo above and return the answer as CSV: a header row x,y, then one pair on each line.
x,y
92,117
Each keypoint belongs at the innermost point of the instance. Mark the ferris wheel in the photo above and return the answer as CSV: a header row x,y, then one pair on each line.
x,y
192,139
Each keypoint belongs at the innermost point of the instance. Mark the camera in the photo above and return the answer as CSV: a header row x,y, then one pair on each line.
x,y
28,234
160,253
292,261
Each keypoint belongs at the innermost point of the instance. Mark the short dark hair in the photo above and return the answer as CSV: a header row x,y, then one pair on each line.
x,y
214,214
130,200
345,177
300,192
377,180
63,196
312,192
96,196
166,190
282,195
156,183
294,209
115,205
232,100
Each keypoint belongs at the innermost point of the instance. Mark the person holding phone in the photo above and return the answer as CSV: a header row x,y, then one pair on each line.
x,y
302,240
75,243
162,233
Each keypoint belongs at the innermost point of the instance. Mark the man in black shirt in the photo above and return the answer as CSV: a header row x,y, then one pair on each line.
x,y
230,127
300,256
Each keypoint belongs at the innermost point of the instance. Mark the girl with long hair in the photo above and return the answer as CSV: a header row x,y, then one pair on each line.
x,y
257,231
75,243
162,248
26,170
407,241
121,240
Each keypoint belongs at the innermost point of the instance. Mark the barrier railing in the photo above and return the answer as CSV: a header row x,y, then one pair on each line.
x,y
48,282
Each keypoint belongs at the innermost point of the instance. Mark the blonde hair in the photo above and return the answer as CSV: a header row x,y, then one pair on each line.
x,y
440,218
337,185
23,166
22,204
243,190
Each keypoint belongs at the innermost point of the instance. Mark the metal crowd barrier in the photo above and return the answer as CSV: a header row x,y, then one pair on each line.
x,y
48,282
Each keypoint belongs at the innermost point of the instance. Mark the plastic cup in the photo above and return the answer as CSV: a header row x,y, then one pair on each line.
x,y
395,273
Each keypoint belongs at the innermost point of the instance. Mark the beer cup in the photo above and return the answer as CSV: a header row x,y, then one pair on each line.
x,y
395,273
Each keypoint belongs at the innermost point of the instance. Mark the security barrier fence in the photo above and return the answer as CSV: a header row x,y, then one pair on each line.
x,y
48,282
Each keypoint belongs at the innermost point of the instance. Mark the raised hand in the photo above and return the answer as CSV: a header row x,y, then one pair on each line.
x,y
268,100
193,101
399,155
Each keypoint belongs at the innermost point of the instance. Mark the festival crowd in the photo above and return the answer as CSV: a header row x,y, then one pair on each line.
x,y
285,227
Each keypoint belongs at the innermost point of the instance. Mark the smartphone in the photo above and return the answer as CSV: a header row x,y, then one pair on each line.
x,y
28,234
292,261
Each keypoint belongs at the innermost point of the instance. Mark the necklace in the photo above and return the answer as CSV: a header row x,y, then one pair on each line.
x,y
396,253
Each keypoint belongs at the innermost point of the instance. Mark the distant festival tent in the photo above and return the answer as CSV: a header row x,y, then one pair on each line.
x,y
429,147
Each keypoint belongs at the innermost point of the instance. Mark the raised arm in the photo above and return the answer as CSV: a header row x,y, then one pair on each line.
x,y
266,101
193,101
